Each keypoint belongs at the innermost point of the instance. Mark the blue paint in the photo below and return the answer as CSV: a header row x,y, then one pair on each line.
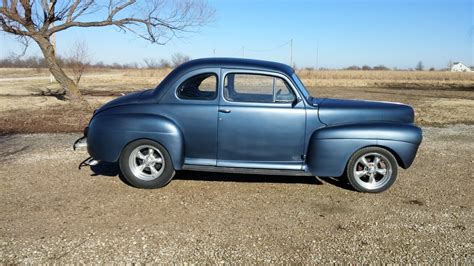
x,y
309,134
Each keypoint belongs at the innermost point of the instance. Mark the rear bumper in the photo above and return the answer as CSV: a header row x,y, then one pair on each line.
x,y
81,142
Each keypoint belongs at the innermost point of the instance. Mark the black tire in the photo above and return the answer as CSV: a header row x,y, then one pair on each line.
x,y
129,170
367,175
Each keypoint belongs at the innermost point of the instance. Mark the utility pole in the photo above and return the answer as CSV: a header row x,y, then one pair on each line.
x,y
317,53
214,52
243,51
291,52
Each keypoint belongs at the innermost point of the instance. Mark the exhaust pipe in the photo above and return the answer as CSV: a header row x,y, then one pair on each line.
x,y
89,162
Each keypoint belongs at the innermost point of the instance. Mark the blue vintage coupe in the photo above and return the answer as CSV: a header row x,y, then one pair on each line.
x,y
250,116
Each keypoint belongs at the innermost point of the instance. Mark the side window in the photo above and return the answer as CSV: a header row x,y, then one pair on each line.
x,y
256,88
199,87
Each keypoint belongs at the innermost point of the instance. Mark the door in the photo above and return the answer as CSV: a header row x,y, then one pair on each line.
x,y
192,104
261,122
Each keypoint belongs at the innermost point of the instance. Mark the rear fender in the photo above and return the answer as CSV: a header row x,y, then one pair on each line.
x,y
330,148
109,133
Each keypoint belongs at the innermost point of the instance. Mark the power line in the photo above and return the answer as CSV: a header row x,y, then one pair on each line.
x,y
244,49
317,54
236,52
270,49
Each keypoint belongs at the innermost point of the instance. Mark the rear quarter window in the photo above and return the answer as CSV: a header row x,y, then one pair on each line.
x,y
199,87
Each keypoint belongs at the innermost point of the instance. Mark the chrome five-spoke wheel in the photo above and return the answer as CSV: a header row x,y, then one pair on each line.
x,y
372,169
146,164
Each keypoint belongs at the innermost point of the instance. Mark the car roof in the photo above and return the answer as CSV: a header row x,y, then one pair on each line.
x,y
238,63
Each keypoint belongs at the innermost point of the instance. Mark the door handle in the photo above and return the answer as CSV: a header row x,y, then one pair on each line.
x,y
224,111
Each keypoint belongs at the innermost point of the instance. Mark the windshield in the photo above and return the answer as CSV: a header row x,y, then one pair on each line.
x,y
301,86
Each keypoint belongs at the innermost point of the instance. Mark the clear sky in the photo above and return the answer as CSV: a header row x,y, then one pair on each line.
x,y
326,33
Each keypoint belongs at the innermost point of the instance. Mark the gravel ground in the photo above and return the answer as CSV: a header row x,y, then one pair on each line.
x,y
53,212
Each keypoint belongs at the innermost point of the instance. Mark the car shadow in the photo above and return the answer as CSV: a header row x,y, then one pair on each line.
x,y
112,169
245,178
105,169
338,182
108,169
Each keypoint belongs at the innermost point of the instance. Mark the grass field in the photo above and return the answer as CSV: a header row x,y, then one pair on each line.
x,y
389,79
439,98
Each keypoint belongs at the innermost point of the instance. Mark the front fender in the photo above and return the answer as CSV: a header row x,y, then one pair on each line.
x,y
109,133
330,148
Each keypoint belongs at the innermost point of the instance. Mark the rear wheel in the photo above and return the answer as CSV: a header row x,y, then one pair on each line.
x,y
146,164
372,169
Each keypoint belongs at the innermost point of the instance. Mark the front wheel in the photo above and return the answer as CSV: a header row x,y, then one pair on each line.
x,y
146,164
372,169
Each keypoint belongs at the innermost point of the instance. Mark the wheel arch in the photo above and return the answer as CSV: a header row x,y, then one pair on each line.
x,y
330,148
109,134
391,151
135,140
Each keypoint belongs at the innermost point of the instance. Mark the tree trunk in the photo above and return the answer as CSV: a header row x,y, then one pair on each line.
x,y
71,88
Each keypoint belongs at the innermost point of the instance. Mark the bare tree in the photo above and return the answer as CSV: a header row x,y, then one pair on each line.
x,y
353,67
78,60
151,63
164,63
154,20
380,67
177,59
420,66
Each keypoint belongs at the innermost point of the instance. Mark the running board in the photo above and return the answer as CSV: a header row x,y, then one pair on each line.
x,y
237,170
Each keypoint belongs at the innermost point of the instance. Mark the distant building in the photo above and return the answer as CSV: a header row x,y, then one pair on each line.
x,y
460,67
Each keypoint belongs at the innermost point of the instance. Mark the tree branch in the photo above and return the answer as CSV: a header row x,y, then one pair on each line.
x,y
12,22
81,10
72,9
114,11
9,28
27,8
154,22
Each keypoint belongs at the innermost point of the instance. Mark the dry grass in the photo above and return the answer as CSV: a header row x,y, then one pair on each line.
x,y
387,75
147,72
34,72
388,79
129,79
52,119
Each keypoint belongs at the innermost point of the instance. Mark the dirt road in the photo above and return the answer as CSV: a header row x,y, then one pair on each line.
x,y
53,212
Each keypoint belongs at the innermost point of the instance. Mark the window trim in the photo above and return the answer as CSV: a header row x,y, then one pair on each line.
x,y
197,99
227,71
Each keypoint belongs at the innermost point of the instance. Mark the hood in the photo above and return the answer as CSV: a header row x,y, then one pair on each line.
x,y
131,98
339,111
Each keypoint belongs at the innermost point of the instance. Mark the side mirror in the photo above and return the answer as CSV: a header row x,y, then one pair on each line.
x,y
296,101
